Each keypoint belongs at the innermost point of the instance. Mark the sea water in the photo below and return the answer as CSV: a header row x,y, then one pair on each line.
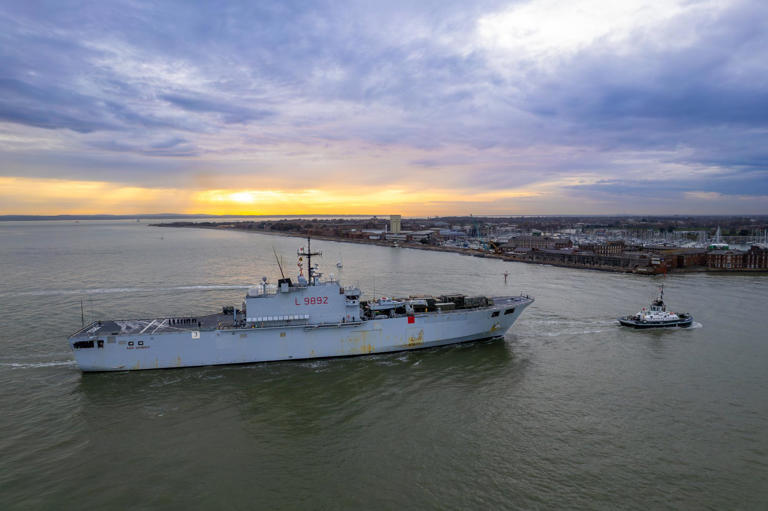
x,y
568,411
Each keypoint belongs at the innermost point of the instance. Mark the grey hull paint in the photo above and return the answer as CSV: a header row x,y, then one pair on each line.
x,y
190,348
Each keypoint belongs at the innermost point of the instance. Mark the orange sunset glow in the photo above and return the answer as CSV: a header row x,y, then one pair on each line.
x,y
52,196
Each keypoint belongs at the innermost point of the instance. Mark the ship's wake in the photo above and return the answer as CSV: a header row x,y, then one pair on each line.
x,y
37,365
113,290
562,326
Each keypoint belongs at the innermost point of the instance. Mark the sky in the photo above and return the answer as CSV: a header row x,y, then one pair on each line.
x,y
418,108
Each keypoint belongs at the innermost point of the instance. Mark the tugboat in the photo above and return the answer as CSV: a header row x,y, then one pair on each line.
x,y
657,316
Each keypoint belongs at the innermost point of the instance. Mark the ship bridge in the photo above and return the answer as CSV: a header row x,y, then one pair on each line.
x,y
322,302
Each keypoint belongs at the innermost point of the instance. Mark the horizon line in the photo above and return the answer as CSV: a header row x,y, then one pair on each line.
x,y
158,216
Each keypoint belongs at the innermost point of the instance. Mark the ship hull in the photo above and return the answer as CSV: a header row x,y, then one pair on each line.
x,y
632,323
191,348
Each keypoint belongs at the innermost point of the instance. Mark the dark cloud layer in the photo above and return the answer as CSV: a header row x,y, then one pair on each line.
x,y
734,184
230,111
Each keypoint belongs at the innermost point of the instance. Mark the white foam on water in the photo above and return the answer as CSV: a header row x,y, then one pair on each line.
x,y
35,365
112,290
566,326
316,364
384,362
572,332
211,287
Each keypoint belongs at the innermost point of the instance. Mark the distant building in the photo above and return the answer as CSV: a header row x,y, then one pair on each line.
x,y
394,224
756,258
629,261
537,242
452,234
427,234
610,248
725,259
679,257
689,257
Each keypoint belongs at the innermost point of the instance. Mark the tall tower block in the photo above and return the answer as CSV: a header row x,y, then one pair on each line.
x,y
394,224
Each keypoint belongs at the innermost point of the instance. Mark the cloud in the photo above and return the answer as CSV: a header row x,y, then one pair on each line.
x,y
653,95
720,185
173,147
704,195
570,101
231,111
27,104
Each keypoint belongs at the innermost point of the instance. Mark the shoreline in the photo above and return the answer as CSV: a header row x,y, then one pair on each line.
x,y
463,251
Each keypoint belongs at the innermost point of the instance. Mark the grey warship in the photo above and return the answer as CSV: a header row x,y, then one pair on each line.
x,y
292,320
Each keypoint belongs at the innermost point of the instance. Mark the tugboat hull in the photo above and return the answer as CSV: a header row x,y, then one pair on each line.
x,y
634,323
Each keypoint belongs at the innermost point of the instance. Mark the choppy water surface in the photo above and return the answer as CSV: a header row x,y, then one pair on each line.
x,y
568,411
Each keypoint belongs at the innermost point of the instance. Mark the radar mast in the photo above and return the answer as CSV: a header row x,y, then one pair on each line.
x,y
309,254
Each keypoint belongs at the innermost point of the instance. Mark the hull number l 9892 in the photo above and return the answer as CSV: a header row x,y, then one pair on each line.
x,y
313,300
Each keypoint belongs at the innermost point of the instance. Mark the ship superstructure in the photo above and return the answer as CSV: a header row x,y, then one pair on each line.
x,y
306,319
